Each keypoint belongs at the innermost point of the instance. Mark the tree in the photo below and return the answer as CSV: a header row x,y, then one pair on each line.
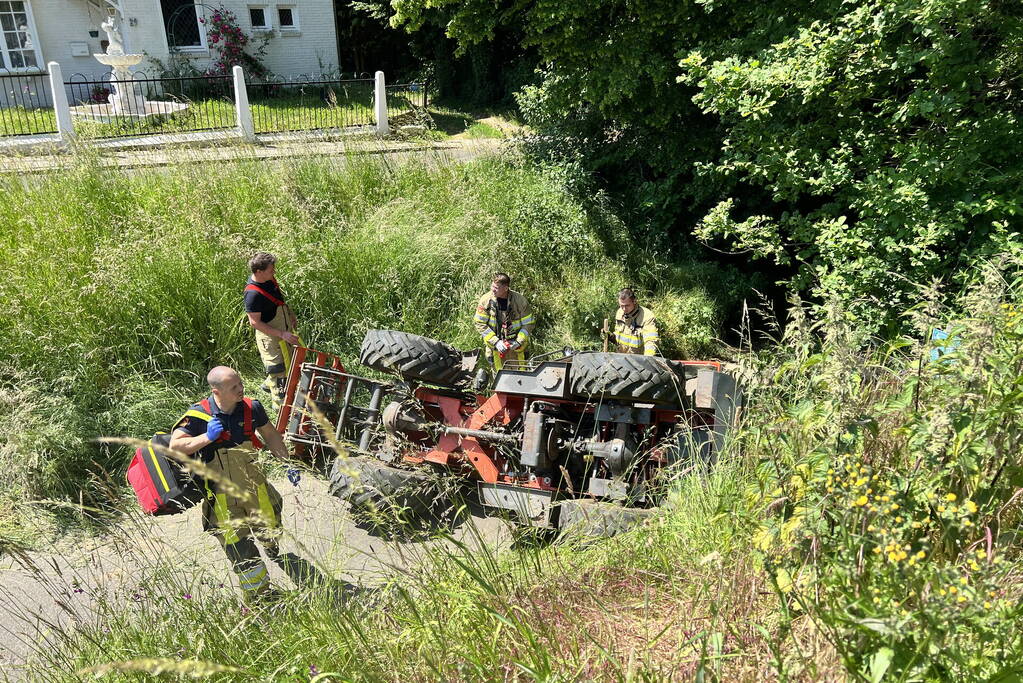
x,y
864,145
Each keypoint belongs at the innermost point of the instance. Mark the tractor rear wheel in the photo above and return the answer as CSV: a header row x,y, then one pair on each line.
x,y
584,517
626,377
413,357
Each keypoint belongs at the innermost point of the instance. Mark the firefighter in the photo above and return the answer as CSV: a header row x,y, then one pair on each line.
x,y
273,321
635,326
505,321
224,431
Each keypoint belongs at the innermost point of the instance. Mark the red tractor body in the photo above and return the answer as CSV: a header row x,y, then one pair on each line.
x,y
552,435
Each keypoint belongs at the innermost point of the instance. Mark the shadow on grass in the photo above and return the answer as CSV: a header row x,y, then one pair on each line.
x,y
451,123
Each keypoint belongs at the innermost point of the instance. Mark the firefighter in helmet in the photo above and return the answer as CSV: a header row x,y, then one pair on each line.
x,y
635,326
224,431
505,321
273,321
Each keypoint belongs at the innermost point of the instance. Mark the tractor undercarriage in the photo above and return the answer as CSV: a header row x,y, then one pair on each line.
x,y
552,442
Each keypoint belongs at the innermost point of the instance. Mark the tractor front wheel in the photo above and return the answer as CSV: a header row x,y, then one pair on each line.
x,y
589,518
387,498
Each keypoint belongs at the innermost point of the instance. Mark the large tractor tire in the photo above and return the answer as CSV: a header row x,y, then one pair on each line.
x,y
624,376
413,357
387,498
595,518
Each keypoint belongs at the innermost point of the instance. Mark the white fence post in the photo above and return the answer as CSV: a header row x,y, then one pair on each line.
x,y
243,113
65,126
380,104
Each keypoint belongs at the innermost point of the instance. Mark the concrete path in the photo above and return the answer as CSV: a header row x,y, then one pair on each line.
x,y
43,592
275,147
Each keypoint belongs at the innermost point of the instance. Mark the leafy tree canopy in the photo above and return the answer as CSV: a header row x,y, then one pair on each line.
x,y
863,145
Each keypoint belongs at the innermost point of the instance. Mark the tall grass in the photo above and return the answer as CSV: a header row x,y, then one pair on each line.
x,y
862,523
671,601
120,291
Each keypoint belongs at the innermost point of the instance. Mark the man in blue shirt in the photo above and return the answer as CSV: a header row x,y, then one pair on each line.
x,y
273,321
224,431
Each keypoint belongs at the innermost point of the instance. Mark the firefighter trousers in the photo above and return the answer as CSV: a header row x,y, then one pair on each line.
x,y
276,353
241,505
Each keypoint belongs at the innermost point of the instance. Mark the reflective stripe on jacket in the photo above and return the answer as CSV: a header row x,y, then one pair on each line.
x,y
515,324
636,333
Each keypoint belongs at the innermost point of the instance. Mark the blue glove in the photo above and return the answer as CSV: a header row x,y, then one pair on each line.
x,y
294,476
214,428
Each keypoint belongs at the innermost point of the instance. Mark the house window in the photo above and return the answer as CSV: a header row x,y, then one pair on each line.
x,y
18,49
259,19
287,18
181,21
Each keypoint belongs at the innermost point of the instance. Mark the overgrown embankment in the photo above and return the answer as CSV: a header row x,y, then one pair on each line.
x,y
862,524
120,291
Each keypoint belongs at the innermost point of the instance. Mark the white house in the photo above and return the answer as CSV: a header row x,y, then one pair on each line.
x,y
302,36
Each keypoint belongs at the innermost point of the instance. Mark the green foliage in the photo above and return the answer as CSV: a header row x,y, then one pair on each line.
x,y
885,139
889,488
856,147
122,290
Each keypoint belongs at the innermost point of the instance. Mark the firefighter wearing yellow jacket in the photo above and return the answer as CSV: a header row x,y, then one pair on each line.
x,y
505,321
635,326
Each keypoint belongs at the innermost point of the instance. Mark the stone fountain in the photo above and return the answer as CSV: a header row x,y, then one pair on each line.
x,y
126,98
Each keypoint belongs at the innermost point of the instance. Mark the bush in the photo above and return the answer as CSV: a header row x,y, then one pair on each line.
x,y
889,487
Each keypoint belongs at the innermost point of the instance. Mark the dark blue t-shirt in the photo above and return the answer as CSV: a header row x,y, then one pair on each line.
x,y
234,430
257,303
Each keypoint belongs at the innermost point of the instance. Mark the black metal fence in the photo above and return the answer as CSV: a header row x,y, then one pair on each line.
x,y
150,106
280,106
405,99
25,105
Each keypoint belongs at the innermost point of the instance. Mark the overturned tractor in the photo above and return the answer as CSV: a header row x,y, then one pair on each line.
x,y
582,438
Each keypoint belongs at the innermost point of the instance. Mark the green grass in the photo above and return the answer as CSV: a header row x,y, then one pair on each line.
x,y
483,130
123,290
22,121
317,107
783,562
780,563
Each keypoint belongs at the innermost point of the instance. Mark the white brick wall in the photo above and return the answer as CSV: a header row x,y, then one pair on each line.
x,y
62,22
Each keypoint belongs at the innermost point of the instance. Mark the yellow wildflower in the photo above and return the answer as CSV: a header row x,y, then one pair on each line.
x,y
970,506
950,497
861,501
953,590
961,598
987,605
917,525
963,580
